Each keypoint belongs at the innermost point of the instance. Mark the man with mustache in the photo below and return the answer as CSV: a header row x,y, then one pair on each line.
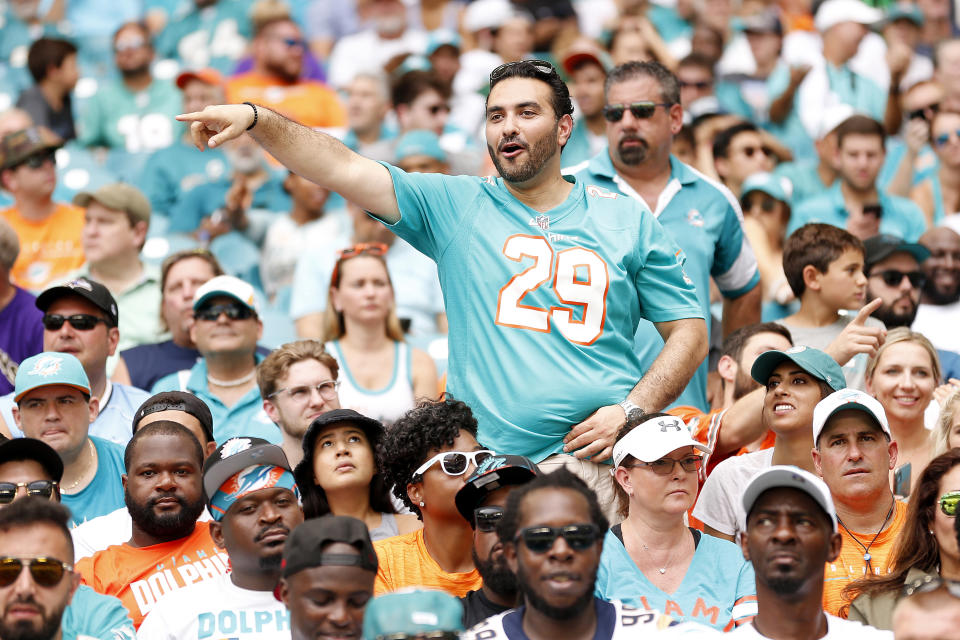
x,y
939,301
643,114
544,278
254,502
168,549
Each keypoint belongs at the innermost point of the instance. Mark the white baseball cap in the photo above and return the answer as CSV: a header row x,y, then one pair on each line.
x,y
654,438
230,287
832,117
833,12
848,399
792,477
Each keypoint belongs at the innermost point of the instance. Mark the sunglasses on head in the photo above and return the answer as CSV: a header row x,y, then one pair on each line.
x,y
233,311
541,539
46,572
750,150
942,139
487,518
79,321
893,277
37,488
639,110
949,502
455,463
37,160
362,248
540,66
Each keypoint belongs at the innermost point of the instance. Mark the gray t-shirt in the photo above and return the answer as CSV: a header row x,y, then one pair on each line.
x,y
821,337
719,504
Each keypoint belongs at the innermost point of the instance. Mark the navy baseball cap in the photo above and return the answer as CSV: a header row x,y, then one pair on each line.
x,y
813,361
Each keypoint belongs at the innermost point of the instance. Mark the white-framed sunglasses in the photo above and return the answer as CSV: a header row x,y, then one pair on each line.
x,y
455,463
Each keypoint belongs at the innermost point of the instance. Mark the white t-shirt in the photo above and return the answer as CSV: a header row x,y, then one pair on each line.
x,y
216,608
936,322
719,504
107,530
836,628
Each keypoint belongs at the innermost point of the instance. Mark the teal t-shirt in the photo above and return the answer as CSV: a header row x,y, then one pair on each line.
x,y
105,493
900,216
542,307
94,615
212,36
136,123
169,173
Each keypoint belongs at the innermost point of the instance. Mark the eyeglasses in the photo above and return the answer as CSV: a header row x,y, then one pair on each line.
x,y
46,572
327,390
232,311
293,42
455,463
664,466
893,277
129,45
37,160
750,150
487,518
639,110
437,108
541,539
923,113
37,488
942,139
362,248
79,321
929,583
767,203
699,84
949,502
540,66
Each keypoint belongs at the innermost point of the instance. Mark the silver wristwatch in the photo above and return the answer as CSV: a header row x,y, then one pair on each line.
x,y
629,407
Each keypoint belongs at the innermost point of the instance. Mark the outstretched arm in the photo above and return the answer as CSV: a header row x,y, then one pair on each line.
x,y
316,156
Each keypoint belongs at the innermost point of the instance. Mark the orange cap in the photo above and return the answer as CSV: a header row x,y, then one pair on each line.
x,y
206,75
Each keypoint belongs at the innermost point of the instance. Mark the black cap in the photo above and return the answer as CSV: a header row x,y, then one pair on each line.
x,y
86,288
495,472
373,428
30,449
303,549
177,401
235,455
882,246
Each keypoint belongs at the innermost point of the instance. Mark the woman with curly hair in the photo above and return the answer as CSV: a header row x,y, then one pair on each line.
x,y
427,456
927,545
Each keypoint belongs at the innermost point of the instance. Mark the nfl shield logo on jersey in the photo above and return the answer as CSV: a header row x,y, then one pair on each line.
x,y
543,222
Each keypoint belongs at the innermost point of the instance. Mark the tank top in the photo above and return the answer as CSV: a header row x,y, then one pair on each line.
x,y
387,529
386,404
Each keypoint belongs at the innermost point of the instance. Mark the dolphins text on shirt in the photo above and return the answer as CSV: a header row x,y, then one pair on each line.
x,y
149,590
223,623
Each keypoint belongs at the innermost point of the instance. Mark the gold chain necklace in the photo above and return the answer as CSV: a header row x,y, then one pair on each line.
x,y
86,469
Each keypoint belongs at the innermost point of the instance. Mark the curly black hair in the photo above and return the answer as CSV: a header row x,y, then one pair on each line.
x,y
562,478
407,444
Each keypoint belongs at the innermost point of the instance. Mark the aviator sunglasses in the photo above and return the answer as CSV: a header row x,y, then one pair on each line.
x,y
46,572
37,488
639,110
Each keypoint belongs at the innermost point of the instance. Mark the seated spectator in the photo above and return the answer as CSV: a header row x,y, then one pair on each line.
x,y
207,33
53,65
938,195
810,177
652,559
338,474
766,213
383,376
902,376
695,74
930,612
80,317
21,332
133,113
252,498
941,291
856,202
226,331
115,228
367,105
163,493
587,68
276,80
90,485
892,267
481,501
415,613
331,556
49,231
740,151
424,457
419,151
946,435
173,171
32,465
854,452
181,274
927,547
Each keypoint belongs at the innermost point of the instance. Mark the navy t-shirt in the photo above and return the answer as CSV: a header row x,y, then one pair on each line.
x,y
147,363
21,336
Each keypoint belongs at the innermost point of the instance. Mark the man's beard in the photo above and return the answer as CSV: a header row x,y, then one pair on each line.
x,y
632,156
538,155
165,526
784,586
891,318
24,629
938,297
272,562
283,72
135,72
496,575
743,384
532,598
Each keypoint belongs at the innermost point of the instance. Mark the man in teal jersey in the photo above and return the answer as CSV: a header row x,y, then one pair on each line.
x,y
701,215
544,279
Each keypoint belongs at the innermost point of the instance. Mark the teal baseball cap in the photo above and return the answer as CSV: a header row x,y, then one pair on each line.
x,y
419,142
768,184
48,369
412,611
905,11
813,361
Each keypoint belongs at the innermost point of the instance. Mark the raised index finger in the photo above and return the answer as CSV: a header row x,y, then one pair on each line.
x,y
194,116
866,310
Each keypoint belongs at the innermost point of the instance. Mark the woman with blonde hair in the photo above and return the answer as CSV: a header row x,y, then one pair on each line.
x,y
946,436
902,376
382,375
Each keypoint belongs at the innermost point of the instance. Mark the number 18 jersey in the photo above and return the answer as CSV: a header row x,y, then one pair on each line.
x,y
542,307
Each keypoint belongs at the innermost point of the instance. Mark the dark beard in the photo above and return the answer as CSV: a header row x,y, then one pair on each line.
x,y
271,563
532,598
538,155
892,319
496,576
167,526
785,586
632,156
24,630
131,74
939,298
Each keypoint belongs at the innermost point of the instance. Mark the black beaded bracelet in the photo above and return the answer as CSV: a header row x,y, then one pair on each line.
x,y
255,115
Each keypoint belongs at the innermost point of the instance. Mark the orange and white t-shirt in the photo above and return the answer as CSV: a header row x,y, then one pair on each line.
x,y
140,577
404,562
50,249
850,565
309,102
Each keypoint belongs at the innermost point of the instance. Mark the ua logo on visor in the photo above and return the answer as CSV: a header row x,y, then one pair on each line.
x,y
669,424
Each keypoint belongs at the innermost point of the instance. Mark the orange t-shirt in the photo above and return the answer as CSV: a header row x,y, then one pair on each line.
x,y
139,577
49,250
311,103
404,562
851,566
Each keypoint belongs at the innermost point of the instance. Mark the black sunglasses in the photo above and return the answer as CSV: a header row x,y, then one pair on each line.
x,y
46,572
487,518
767,203
79,321
750,150
38,488
700,84
541,539
232,311
893,277
923,113
540,66
37,160
639,110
